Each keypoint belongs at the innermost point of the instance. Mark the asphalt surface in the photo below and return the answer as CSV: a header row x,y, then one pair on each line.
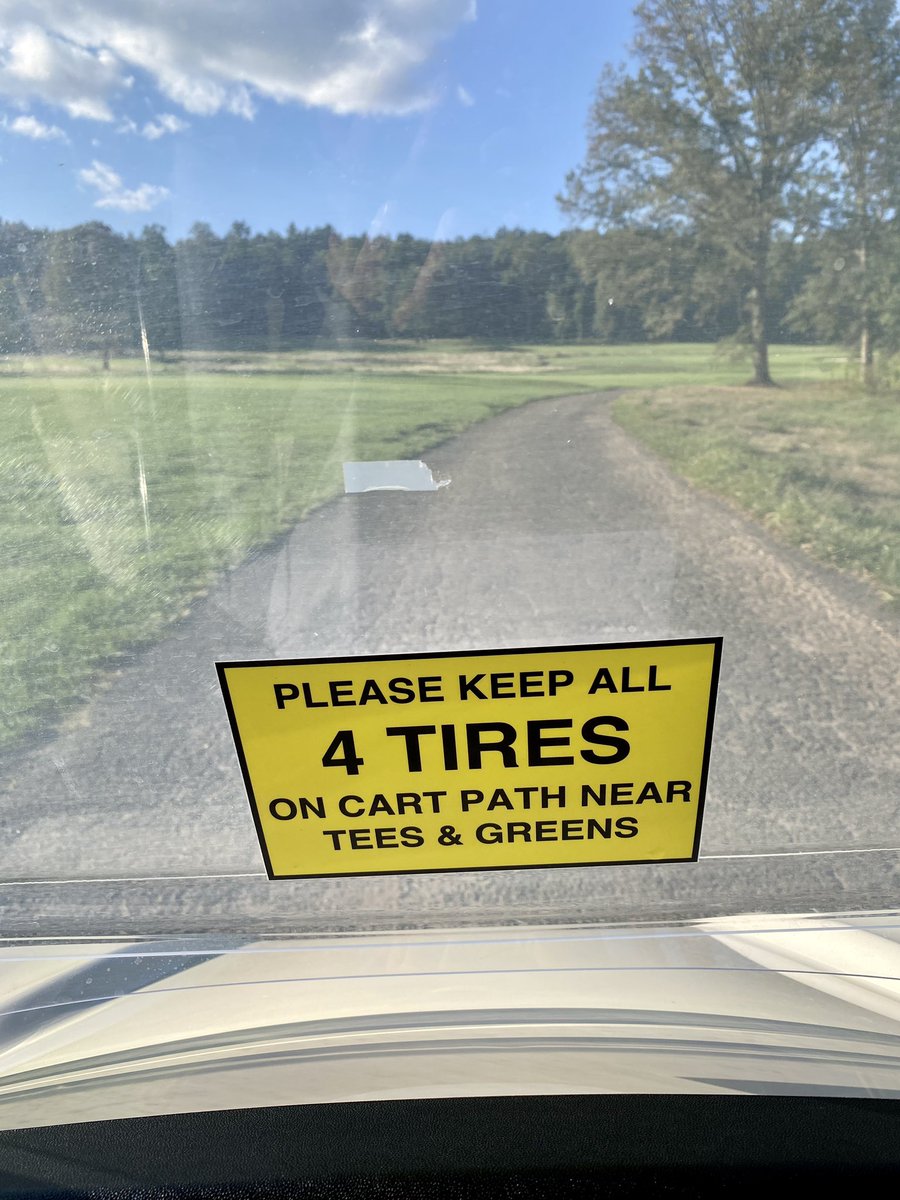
x,y
555,528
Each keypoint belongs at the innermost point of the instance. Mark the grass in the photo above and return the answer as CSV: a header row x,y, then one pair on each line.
x,y
574,367
123,496
819,466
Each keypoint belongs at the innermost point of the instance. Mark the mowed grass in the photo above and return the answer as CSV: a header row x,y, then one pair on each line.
x,y
124,495
819,466
579,367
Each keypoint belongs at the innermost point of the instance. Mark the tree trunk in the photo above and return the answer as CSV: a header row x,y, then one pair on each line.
x,y
866,357
759,335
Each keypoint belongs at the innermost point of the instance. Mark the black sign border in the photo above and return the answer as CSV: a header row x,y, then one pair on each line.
x,y
715,642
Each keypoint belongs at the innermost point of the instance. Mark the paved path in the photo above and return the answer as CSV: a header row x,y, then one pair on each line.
x,y
556,528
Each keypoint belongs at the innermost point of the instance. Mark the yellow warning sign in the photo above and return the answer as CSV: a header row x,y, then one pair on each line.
x,y
476,760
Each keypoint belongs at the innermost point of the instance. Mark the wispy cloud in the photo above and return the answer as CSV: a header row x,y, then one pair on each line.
x,y
163,124
350,56
464,96
113,193
31,127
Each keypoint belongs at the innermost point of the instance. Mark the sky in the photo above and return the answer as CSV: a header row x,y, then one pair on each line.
x,y
440,118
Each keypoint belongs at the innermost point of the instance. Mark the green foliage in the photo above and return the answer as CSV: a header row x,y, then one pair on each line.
x,y
89,289
81,286
851,296
748,122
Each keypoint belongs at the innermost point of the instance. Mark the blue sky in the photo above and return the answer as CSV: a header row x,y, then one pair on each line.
x,y
435,117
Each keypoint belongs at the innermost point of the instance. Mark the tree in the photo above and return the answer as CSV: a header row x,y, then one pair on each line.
x,y
358,275
306,281
652,284
89,289
22,253
850,297
721,130
157,291
198,266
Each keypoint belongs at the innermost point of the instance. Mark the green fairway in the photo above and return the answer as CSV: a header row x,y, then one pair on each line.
x,y
575,367
123,496
820,466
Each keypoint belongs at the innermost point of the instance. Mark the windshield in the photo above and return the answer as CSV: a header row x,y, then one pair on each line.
x,y
351,332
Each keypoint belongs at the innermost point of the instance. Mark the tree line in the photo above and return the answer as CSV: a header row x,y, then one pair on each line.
x,y
748,123
91,290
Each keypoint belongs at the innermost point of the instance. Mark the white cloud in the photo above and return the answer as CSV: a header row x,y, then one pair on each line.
x,y
464,96
114,194
31,127
37,64
350,56
163,124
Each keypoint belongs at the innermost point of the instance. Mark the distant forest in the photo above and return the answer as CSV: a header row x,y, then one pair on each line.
x,y
90,290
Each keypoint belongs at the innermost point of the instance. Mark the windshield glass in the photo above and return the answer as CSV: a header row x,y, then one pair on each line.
x,y
381,329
